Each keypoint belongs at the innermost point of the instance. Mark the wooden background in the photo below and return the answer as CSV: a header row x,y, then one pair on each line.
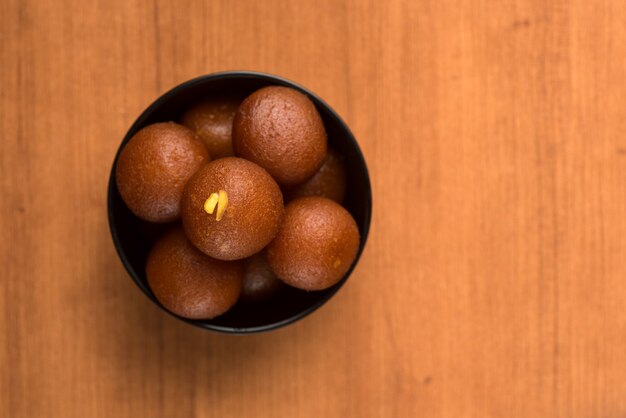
x,y
494,280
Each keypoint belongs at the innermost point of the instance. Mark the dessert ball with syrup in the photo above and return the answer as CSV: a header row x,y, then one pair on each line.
x,y
154,167
280,129
315,245
231,208
330,180
190,283
212,121
259,281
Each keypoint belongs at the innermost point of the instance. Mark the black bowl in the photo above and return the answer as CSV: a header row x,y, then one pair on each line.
x,y
133,237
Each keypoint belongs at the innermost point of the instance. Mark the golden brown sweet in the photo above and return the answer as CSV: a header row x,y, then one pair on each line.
x,y
212,120
231,208
153,168
190,283
315,245
279,129
329,181
259,281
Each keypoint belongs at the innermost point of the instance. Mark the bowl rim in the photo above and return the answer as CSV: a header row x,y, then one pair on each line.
x,y
266,77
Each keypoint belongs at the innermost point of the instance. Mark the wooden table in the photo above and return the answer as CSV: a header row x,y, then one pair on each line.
x,y
494,280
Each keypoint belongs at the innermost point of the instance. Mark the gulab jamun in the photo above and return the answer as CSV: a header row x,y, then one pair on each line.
x,y
154,167
259,281
280,129
315,245
231,208
329,181
212,121
190,283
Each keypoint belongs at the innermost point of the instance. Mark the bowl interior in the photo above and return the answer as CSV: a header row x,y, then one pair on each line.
x,y
133,237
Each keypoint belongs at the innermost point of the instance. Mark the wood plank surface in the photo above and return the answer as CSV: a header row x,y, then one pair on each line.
x,y
494,280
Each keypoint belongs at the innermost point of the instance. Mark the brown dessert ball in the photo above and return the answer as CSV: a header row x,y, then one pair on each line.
x,y
153,168
315,245
252,213
279,129
259,281
329,181
212,120
190,283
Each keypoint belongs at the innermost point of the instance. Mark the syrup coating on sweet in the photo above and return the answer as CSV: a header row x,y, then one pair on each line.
x,y
280,129
315,245
330,180
154,167
190,283
250,219
212,121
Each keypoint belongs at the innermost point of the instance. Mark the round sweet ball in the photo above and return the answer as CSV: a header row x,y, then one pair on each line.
x,y
316,244
190,283
212,121
279,129
231,208
259,281
154,167
329,181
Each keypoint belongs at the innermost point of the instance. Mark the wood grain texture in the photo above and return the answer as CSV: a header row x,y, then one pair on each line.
x,y
493,283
